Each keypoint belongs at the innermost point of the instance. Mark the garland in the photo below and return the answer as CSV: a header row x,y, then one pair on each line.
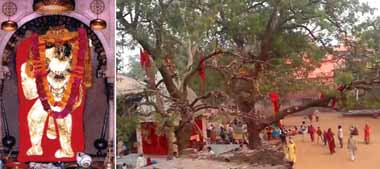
x,y
73,86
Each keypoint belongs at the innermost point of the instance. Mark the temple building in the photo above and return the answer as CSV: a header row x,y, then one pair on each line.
x,y
147,138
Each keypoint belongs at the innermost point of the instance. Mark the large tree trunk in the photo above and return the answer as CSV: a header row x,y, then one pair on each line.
x,y
183,135
171,140
253,134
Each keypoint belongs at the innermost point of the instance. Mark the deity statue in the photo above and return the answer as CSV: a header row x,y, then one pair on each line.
x,y
54,71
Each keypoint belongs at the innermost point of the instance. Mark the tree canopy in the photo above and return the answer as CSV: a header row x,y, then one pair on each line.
x,y
250,47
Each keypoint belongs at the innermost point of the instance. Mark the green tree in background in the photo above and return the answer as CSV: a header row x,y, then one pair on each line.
x,y
250,47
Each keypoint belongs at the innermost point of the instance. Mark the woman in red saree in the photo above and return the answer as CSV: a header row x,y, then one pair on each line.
x,y
331,141
366,133
311,131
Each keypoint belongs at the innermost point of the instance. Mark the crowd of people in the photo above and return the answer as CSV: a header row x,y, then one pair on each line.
x,y
234,132
320,136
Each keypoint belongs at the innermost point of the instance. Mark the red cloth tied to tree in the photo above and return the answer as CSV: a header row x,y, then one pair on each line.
x,y
144,58
276,105
49,146
202,68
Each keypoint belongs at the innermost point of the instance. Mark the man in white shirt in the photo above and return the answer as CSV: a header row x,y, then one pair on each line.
x,y
303,130
340,136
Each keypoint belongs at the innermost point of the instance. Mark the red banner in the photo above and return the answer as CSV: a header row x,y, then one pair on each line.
x,y
144,58
276,105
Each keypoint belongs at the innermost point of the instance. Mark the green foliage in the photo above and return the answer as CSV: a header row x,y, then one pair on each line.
x,y
367,101
220,23
302,33
127,119
344,78
126,126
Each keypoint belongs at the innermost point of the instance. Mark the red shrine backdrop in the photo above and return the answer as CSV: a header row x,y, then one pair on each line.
x,y
49,146
152,143
197,129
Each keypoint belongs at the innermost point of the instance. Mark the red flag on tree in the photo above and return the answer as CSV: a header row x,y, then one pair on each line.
x,y
147,59
276,106
144,58
274,98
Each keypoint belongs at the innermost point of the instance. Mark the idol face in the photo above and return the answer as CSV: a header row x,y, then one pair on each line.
x,y
58,60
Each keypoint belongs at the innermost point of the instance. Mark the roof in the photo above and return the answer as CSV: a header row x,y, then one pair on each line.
x,y
128,86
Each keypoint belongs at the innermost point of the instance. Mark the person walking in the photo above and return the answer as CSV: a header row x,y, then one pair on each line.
x,y
331,141
303,130
352,147
212,134
222,134
319,135
291,152
324,137
310,117
230,134
283,136
340,136
367,130
311,131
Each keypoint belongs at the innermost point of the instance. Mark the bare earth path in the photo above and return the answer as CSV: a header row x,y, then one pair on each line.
x,y
314,156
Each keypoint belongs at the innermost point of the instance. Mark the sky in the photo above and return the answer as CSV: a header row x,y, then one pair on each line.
x,y
373,3
132,53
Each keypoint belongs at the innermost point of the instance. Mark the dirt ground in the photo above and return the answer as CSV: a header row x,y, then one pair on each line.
x,y
314,156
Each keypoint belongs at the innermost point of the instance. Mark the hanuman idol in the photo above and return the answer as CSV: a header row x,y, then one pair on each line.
x,y
53,73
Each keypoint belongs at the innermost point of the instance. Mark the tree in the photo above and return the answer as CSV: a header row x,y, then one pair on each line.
x,y
259,46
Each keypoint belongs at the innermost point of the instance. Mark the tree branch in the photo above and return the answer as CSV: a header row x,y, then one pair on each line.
x,y
294,109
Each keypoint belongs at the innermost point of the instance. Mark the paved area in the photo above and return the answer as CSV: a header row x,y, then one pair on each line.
x,y
316,156
131,158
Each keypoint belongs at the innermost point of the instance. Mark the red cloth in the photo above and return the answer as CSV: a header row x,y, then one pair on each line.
x,y
153,144
144,58
276,106
311,132
331,141
202,68
366,132
49,146
148,162
195,133
274,98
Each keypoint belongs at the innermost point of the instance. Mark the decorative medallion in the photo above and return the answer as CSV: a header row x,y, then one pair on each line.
x,y
97,7
9,9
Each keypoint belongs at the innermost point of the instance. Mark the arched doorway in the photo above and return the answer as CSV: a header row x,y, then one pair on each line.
x,y
96,99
